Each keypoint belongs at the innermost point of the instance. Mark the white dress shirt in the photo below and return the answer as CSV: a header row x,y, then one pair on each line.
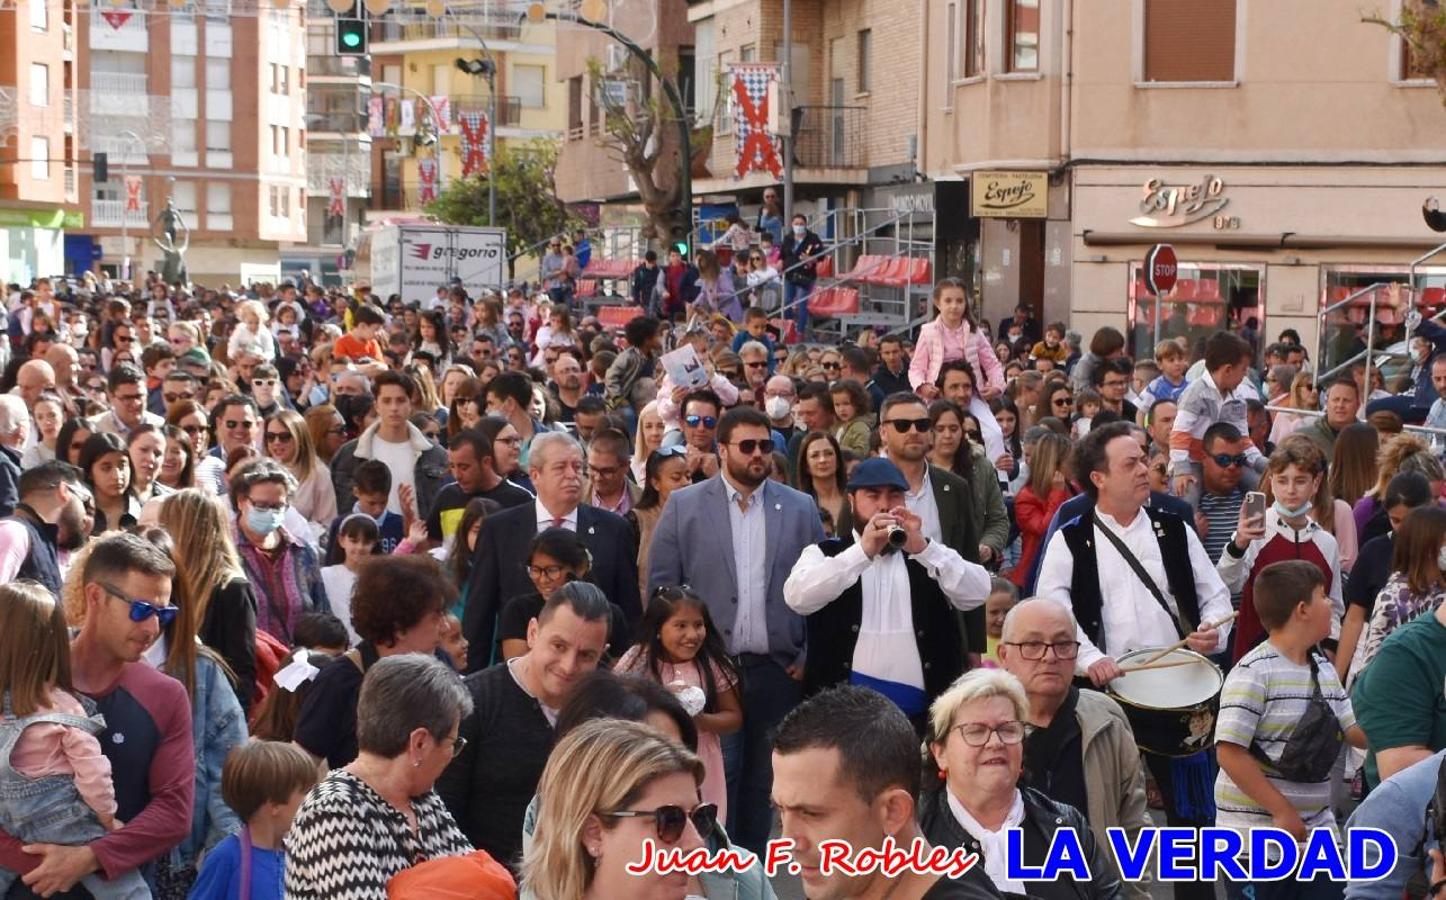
x,y
887,648
546,520
750,561
1130,616
922,504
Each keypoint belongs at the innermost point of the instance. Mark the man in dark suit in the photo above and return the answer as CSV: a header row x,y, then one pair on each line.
x,y
499,567
735,537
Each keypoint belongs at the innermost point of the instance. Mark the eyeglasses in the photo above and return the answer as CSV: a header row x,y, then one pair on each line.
x,y
671,820
750,446
280,437
705,421
128,398
902,426
140,609
1225,460
232,424
757,364
545,572
976,734
1034,650
458,743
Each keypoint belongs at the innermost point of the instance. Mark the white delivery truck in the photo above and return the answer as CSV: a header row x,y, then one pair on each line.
x,y
415,260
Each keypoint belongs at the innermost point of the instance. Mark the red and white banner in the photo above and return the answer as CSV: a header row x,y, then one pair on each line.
x,y
757,148
429,180
474,127
117,18
376,116
133,193
443,105
336,185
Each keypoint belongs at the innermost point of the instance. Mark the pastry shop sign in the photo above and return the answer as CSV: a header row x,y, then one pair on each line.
x,y
1010,195
1174,205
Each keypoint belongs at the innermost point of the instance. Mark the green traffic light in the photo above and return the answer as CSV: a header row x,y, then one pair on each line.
x,y
351,39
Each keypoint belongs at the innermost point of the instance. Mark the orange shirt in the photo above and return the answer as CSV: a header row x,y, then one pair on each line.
x,y
353,347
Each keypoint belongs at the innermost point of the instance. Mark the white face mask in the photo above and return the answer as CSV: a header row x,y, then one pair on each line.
x,y
777,407
800,230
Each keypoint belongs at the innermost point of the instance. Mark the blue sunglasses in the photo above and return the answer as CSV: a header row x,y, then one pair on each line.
x,y
141,610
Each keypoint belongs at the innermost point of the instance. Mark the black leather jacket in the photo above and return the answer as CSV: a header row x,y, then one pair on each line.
x,y
1045,816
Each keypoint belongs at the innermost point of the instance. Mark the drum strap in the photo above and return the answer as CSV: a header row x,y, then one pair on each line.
x,y
1140,572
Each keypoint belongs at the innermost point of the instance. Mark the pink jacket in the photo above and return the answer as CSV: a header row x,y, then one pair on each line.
x,y
51,749
929,358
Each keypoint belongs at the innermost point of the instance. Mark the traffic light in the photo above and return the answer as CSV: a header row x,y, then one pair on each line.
x,y
101,163
351,31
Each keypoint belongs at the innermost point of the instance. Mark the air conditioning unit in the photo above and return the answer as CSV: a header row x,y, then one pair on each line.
x,y
618,57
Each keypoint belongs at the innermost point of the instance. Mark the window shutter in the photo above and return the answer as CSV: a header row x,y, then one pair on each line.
x,y
1189,40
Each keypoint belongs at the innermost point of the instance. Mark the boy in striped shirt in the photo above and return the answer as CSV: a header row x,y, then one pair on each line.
x,y
1270,774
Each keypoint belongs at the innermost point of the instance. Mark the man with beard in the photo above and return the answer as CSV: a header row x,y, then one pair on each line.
x,y
767,525
56,512
567,385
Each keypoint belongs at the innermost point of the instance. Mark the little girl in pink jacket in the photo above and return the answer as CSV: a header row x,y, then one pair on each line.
x,y
952,336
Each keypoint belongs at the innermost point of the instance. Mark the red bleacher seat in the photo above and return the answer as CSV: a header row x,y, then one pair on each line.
x,y
825,267
1433,298
617,316
586,287
1185,289
896,272
1204,316
1207,289
786,329
920,271
834,302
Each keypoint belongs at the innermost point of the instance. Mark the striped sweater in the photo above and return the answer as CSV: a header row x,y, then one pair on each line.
x,y
1201,406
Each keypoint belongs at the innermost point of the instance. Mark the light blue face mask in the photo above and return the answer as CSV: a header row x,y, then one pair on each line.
x,y
265,521
1288,513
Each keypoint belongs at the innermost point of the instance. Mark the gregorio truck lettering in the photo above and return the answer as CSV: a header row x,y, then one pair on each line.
x,y
441,251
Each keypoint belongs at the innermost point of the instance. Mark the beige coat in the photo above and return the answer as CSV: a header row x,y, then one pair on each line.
x,y
1114,775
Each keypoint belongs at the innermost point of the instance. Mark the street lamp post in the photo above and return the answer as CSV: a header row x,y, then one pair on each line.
x,y
675,100
125,177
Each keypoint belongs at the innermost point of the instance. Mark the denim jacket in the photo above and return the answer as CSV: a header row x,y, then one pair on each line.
x,y
217,727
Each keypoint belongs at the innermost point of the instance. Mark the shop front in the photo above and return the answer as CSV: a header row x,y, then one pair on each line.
x,y
32,242
1261,249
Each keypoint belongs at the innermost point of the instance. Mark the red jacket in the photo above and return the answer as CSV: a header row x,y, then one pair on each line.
x,y
1033,516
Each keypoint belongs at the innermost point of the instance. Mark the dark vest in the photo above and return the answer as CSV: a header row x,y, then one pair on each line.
x,y
834,631
1079,536
42,563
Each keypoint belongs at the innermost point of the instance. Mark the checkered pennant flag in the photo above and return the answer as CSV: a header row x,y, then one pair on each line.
x,y
756,147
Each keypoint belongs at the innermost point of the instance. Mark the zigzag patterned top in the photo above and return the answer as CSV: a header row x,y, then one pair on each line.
x,y
347,842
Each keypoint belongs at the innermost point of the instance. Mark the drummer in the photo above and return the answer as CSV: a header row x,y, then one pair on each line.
x,y
1080,751
1108,566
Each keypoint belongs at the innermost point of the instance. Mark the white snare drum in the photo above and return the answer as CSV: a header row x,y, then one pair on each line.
x,y
1171,707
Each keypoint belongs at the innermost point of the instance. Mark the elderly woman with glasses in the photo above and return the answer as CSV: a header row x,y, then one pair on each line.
x,y
977,730
379,814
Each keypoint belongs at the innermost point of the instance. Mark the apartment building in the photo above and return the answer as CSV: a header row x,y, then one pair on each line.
x,y
205,105
37,137
415,57
1287,172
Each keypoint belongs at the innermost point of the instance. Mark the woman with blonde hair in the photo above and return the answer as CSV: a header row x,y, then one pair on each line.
x,y
611,786
1404,452
1304,395
251,328
328,430
210,577
427,400
288,441
648,439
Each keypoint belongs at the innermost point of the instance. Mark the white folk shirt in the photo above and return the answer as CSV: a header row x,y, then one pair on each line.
x,y
887,647
1130,616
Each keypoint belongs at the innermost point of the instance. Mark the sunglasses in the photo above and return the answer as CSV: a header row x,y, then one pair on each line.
x,y
671,820
832,365
667,452
263,382
756,365
141,610
232,424
177,398
753,445
902,426
279,437
194,430
706,421
1225,460
1063,401
122,339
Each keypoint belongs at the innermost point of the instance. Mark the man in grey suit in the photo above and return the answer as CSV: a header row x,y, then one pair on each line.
x,y
734,539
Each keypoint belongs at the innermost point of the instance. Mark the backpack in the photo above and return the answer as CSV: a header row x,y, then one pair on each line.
x,y
271,655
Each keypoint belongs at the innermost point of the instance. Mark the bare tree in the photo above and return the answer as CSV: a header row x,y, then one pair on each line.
x,y
1422,25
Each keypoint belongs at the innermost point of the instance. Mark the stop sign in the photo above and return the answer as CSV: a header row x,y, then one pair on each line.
x,y
1161,269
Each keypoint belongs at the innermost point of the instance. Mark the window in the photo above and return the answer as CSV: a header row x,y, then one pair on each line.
x,y
527,84
280,79
183,71
1209,296
973,49
218,205
39,84
39,16
218,137
218,74
183,137
1022,37
865,59
574,107
1189,40
1411,67
747,53
184,195
40,158
280,141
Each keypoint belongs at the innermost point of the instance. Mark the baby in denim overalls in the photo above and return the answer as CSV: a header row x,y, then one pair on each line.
x,y
55,784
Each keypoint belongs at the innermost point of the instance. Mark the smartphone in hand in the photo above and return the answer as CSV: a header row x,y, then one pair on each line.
x,y
1255,506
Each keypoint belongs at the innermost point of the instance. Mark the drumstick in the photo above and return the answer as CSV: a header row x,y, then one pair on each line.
x,y
1183,641
1160,665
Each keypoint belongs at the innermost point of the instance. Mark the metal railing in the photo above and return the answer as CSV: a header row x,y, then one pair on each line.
x,y
126,83
509,108
1373,292
338,66
339,122
108,214
830,137
425,31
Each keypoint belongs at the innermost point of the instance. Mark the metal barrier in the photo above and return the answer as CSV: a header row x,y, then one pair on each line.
x,y
1316,414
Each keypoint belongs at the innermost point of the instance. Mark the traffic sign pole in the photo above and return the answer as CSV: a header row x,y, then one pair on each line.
x,y
1162,268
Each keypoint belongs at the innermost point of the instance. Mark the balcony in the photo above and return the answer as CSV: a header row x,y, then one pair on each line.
x,y
119,29
831,137
68,109
395,37
124,84
338,67
509,109
336,123
107,214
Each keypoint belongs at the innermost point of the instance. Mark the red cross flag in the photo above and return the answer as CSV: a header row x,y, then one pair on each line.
x,y
756,147
133,193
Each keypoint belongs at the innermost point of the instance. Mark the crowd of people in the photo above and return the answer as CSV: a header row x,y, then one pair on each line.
x,y
313,593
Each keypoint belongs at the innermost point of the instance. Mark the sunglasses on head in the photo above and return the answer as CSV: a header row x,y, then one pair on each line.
x,y
141,610
675,450
706,421
671,820
1225,460
902,426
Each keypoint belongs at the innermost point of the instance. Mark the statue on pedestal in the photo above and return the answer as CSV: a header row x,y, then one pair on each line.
x,y
171,234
